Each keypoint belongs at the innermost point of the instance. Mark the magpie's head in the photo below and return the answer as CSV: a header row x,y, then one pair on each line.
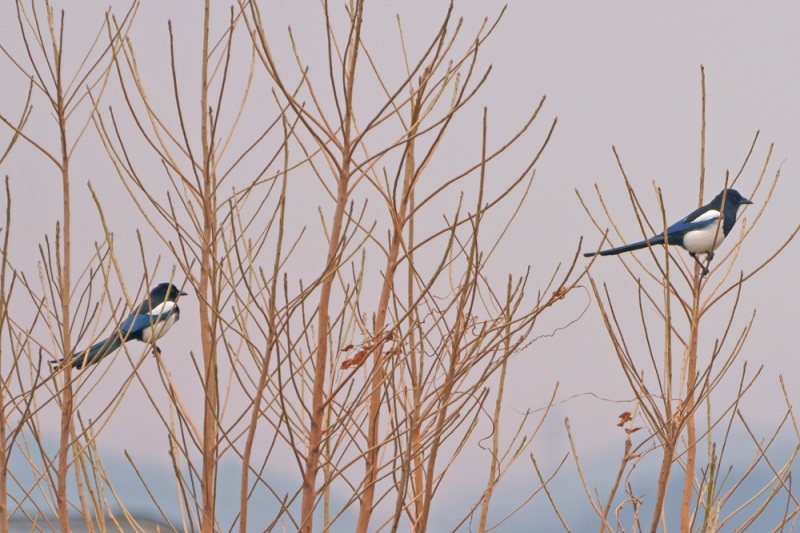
x,y
165,292
733,198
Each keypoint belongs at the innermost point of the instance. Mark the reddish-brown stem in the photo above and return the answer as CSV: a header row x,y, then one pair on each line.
x,y
691,433
670,438
318,402
207,301
65,290
321,362
3,418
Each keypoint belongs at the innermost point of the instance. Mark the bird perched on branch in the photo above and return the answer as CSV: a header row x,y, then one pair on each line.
x,y
701,232
147,323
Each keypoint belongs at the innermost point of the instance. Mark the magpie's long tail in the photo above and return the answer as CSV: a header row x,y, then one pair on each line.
x,y
89,357
652,241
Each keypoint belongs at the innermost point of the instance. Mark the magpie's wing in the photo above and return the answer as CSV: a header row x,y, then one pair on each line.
x,y
138,321
698,219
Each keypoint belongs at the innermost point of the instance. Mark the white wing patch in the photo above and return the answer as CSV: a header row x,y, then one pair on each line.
x,y
165,307
708,215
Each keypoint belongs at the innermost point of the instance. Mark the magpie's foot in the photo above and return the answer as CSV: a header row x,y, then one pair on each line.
x,y
703,267
156,350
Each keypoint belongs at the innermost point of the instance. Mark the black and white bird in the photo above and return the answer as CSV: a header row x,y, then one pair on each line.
x,y
701,232
147,323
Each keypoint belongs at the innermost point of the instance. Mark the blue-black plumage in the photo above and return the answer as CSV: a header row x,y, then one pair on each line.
x,y
700,232
147,323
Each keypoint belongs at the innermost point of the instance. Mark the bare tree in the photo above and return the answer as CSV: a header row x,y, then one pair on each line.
x,y
68,98
352,321
677,299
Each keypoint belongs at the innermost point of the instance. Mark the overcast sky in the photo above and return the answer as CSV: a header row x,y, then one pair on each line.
x,y
615,73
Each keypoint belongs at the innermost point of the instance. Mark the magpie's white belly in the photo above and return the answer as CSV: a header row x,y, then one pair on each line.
x,y
158,329
704,240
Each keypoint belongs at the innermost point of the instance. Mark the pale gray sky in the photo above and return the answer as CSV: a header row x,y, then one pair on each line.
x,y
615,73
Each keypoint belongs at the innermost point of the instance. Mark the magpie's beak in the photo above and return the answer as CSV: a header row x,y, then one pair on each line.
x,y
186,293
746,201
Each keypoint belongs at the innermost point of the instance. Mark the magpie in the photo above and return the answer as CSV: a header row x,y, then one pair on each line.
x,y
147,323
701,232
